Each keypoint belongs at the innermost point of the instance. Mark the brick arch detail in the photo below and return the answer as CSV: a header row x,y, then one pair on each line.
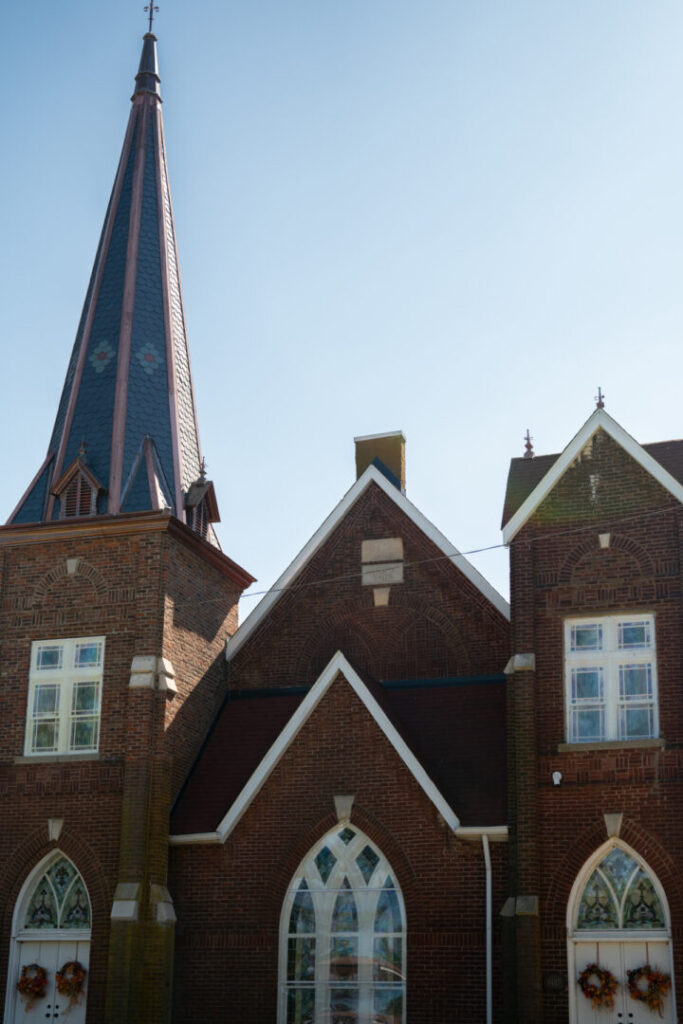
x,y
356,620
84,570
643,844
36,846
591,547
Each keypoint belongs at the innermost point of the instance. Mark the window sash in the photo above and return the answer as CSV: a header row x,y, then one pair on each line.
x,y
64,696
610,678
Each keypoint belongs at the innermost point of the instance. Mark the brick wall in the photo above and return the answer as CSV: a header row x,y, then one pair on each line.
x,y
558,569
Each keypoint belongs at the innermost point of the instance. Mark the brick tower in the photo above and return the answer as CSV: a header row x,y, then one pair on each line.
x,y
116,604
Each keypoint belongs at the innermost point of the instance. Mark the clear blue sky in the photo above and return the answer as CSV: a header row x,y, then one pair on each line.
x,y
453,218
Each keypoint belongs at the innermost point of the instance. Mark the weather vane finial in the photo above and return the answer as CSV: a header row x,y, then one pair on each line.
x,y
529,448
599,400
151,8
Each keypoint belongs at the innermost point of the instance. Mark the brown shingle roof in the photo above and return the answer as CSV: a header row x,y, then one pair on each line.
x,y
456,729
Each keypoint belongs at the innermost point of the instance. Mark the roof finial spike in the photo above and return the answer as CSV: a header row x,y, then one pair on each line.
x,y
81,450
599,400
529,448
151,8
202,470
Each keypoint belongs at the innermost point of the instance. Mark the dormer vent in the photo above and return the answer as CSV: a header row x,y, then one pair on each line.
x,y
77,490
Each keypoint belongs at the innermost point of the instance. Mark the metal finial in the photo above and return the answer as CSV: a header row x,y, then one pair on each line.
x,y
599,400
202,470
528,447
151,8
81,450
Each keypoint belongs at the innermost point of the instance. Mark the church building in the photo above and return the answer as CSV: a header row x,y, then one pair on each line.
x,y
386,796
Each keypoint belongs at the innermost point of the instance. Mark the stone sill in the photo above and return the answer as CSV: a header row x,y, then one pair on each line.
x,y
564,748
55,758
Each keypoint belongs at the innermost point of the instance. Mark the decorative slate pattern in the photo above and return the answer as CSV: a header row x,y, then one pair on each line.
x,y
147,409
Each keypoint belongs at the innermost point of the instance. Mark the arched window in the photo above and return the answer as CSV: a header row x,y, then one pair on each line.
x,y
343,944
59,900
619,894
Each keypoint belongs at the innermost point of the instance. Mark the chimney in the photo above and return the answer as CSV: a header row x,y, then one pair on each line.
x,y
387,452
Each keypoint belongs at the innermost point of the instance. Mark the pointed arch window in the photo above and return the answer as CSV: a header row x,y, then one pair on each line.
x,y
59,900
620,894
342,952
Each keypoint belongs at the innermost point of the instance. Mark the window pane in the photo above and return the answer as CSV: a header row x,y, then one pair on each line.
x,y
635,723
44,736
597,908
635,681
88,655
588,725
344,959
345,918
49,657
587,684
388,960
46,699
343,1006
388,916
85,697
325,861
642,908
301,960
388,1006
84,734
302,918
587,638
76,909
367,860
634,634
301,1006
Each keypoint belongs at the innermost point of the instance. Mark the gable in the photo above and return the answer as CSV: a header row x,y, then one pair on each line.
x,y
531,481
449,736
430,619
291,576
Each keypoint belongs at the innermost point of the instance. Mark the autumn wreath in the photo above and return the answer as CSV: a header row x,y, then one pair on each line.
x,y
70,980
652,993
599,985
32,983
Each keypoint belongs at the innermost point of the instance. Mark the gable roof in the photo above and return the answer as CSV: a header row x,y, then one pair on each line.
x,y
531,480
371,475
450,735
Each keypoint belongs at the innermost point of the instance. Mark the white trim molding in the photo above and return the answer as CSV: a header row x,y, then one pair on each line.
x,y
338,665
600,420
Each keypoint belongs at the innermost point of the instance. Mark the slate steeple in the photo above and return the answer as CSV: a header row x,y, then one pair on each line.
x,y
125,438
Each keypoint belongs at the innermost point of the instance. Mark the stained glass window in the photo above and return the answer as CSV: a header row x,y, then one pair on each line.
x,y
619,894
343,945
59,900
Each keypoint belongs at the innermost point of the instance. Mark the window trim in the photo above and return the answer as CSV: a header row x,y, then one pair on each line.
x,y
609,660
64,678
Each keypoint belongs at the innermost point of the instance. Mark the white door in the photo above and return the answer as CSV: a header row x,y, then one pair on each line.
x,y
52,955
619,958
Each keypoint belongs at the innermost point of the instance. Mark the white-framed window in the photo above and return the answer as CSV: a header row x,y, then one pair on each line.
x,y
611,678
64,696
342,936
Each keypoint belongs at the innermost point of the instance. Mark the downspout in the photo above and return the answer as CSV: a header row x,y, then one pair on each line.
x,y
489,930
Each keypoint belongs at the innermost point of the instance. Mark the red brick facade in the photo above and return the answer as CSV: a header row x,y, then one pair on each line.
x,y
559,570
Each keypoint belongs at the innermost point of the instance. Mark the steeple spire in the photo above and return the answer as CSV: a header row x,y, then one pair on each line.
x,y
128,397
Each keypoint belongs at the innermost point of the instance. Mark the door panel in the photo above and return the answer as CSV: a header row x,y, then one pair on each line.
x,y
53,1006
619,958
